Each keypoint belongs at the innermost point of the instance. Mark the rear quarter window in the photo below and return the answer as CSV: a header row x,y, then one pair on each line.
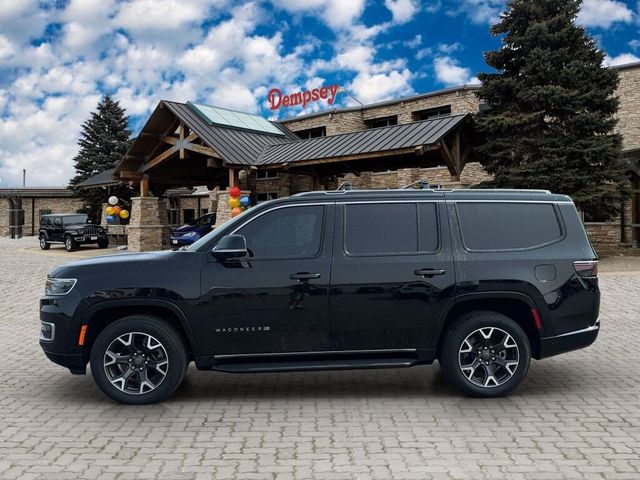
x,y
508,226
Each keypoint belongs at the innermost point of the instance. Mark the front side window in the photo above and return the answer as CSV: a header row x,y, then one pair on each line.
x,y
74,219
376,229
508,226
290,232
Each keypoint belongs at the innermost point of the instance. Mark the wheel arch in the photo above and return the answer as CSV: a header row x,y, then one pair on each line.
x,y
517,306
99,316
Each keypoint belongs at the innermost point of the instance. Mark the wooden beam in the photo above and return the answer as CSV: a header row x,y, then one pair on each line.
x,y
449,160
232,177
181,133
160,158
130,175
144,186
204,150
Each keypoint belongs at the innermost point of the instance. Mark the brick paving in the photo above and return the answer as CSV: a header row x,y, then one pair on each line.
x,y
576,416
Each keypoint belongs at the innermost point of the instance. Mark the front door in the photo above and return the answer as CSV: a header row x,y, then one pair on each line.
x,y
277,299
392,274
58,230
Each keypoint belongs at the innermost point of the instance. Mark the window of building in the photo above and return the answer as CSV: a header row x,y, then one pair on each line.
x,y
292,232
382,122
204,211
265,197
189,215
265,174
508,226
312,133
408,228
430,113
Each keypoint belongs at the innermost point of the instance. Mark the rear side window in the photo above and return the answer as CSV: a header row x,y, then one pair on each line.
x,y
390,228
508,226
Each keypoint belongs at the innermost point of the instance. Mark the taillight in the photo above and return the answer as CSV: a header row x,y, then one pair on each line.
x,y
586,268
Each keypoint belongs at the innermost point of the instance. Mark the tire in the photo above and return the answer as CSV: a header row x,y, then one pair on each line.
x,y
150,340
466,369
44,245
103,243
70,244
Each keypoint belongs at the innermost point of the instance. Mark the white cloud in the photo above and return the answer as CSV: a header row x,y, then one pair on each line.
x,y
415,42
402,10
481,11
634,44
369,88
621,59
450,73
604,13
337,14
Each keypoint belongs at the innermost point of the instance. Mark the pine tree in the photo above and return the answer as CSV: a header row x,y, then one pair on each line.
x,y
104,139
552,117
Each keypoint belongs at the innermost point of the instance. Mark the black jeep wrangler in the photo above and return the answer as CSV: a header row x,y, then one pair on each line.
x,y
481,281
71,229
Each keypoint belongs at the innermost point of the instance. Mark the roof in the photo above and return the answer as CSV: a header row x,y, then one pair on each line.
x,y
99,180
397,137
626,66
44,192
436,93
235,146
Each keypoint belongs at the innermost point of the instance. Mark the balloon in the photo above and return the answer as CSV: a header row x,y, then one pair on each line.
x,y
234,202
116,210
234,192
113,200
109,210
236,211
111,219
245,201
124,213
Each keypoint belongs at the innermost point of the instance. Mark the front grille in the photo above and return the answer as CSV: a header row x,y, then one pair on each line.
x,y
91,230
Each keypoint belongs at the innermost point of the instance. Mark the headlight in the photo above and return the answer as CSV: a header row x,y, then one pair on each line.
x,y
190,234
59,286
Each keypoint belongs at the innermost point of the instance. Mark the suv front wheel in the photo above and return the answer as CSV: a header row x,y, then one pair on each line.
x,y
70,244
485,354
44,245
139,359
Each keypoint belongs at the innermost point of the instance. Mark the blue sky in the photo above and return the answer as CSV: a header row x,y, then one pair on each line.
x,y
58,57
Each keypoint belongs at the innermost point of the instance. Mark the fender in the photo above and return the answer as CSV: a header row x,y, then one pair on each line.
x,y
470,297
143,302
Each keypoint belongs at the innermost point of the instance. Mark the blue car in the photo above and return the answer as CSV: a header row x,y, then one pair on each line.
x,y
189,233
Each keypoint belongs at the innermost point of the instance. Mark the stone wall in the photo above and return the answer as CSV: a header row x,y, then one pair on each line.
x,y
55,204
336,122
629,110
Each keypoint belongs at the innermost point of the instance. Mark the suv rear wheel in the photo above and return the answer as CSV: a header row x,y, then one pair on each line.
x,y
139,359
70,244
485,354
44,245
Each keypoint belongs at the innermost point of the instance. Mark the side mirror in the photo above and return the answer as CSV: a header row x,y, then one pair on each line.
x,y
230,246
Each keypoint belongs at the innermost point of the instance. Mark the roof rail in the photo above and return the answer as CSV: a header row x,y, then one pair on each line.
x,y
501,190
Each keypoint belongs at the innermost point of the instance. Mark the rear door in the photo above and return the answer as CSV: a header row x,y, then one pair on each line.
x,y
392,274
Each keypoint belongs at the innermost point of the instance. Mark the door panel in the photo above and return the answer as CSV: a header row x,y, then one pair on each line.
x,y
276,300
385,299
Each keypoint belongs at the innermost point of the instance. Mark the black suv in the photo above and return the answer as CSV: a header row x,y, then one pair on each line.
x,y
479,280
72,230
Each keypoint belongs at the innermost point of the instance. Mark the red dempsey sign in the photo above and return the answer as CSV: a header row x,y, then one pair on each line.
x,y
277,99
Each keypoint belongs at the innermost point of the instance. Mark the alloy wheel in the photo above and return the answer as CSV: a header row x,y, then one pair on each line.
x,y
488,357
136,363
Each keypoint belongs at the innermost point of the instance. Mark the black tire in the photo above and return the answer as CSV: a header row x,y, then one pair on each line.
x,y
172,349
103,243
488,372
70,244
44,245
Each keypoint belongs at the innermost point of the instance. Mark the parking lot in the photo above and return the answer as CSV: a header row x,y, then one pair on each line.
x,y
576,416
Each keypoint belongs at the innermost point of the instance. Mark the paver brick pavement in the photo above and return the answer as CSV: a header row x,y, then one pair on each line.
x,y
576,416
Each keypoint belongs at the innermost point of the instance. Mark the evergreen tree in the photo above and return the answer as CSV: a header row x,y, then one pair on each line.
x,y
553,105
104,139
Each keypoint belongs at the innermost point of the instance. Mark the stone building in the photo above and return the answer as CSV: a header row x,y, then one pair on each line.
x,y
35,202
187,156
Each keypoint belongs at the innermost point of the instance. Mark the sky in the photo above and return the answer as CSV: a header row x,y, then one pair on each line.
x,y
59,57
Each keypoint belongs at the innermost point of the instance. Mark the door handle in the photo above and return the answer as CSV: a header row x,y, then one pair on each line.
x,y
304,276
429,272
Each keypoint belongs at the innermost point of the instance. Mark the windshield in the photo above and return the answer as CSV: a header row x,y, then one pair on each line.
x,y
73,219
213,234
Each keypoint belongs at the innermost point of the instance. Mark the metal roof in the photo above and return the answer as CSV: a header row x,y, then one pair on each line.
x,y
43,192
236,146
99,180
397,137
